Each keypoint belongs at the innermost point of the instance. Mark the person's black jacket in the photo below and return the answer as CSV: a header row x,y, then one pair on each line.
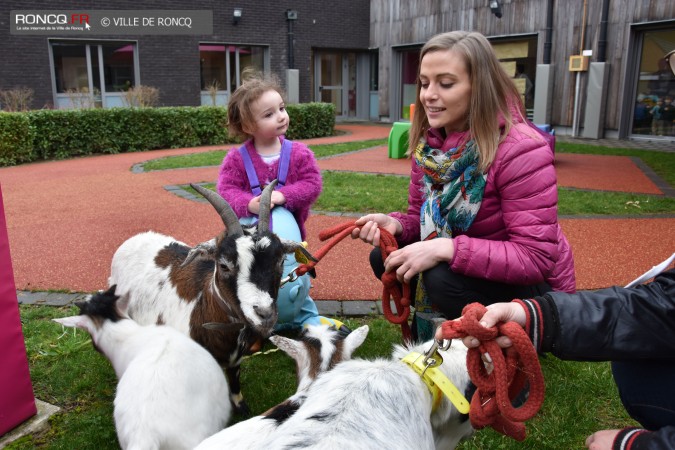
x,y
612,324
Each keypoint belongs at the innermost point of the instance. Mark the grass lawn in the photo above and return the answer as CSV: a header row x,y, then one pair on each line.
x,y
581,397
214,158
661,162
358,193
66,371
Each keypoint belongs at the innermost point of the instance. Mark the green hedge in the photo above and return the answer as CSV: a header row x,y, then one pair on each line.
x,y
15,139
61,134
310,120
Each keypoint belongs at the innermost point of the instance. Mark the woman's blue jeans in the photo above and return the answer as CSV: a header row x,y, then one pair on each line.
x,y
647,390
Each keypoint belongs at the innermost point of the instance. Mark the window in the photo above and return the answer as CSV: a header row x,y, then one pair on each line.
x,y
410,69
70,65
221,67
92,74
654,110
519,60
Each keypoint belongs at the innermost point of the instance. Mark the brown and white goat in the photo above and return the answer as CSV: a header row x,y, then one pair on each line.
x,y
231,281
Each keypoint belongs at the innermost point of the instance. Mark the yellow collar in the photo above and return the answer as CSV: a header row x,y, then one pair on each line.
x,y
437,382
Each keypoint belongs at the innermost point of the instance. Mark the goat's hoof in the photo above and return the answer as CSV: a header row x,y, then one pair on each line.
x,y
242,409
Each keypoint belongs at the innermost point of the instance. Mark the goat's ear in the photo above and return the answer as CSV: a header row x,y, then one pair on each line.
x,y
301,253
83,322
123,304
294,349
354,340
200,250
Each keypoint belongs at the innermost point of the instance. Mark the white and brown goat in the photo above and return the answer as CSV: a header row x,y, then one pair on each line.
x,y
171,393
383,403
229,283
319,349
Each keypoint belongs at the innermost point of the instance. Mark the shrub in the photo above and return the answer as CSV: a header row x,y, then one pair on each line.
x,y
60,134
17,99
81,98
310,120
15,139
141,96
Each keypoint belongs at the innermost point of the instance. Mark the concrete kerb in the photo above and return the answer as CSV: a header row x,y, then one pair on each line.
x,y
347,308
36,424
48,298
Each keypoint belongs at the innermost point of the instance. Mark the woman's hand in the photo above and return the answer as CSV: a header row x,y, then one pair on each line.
x,y
368,228
497,312
601,440
418,257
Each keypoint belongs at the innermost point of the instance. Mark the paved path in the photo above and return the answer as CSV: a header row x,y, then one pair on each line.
x,y
66,218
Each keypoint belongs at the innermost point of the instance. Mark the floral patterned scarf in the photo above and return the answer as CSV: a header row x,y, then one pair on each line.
x,y
453,188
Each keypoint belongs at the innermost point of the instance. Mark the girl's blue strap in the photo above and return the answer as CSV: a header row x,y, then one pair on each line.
x,y
250,171
284,161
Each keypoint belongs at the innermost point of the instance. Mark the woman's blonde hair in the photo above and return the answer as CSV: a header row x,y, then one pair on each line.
x,y
493,93
240,120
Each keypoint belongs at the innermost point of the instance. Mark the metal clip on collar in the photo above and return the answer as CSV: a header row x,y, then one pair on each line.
x,y
292,276
432,357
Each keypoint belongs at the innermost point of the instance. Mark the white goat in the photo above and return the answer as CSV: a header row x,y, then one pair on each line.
x,y
318,350
171,392
377,404
229,283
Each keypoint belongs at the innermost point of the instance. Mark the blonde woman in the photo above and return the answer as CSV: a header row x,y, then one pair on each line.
x,y
482,221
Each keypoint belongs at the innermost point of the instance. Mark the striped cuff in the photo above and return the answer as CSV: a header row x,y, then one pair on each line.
x,y
627,439
533,323
542,322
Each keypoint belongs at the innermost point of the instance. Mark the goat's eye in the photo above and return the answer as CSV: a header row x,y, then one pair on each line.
x,y
225,266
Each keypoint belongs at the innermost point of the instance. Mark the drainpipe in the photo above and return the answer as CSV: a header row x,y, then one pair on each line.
x,y
290,44
602,38
549,32
543,88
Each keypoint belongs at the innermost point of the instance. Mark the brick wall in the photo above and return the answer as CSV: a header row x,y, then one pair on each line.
x,y
171,63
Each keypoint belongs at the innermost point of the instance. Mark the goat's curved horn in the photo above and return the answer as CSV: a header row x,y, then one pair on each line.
x,y
223,208
265,207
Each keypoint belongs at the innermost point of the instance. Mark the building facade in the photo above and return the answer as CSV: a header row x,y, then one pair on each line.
x,y
588,68
324,44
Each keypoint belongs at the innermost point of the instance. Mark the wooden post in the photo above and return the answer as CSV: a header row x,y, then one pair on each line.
x,y
17,402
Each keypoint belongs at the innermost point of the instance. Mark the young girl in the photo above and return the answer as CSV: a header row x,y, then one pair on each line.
x,y
482,222
257,113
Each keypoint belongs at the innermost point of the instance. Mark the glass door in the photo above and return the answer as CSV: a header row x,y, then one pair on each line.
x,y
409,68
329,76
654,110
335,82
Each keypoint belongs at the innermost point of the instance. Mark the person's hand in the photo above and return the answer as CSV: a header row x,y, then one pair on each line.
x,y
497,312
601,440
418,257
254,205
277,199
368,227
